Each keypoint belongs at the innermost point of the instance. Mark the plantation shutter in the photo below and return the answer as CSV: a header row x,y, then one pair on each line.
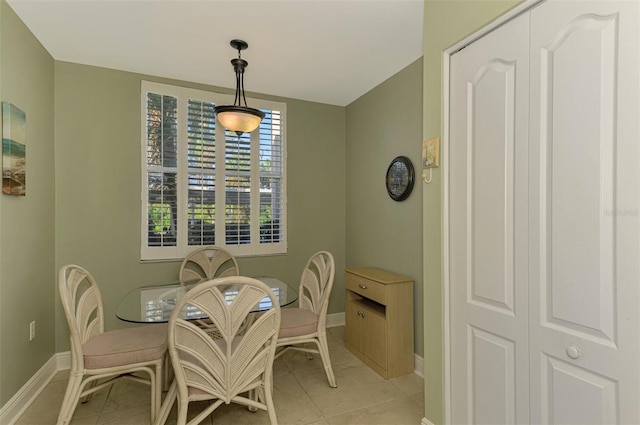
x,y
271,177
161,160
201,161
238,189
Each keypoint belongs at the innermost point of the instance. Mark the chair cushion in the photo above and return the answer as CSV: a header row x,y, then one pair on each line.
x,y
125,346
297,322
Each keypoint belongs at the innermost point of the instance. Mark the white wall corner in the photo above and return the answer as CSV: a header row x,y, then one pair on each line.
x,y
16,406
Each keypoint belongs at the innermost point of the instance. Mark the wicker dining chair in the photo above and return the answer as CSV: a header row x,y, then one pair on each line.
x,y
307,323
207,263
222,369
204,264
98,358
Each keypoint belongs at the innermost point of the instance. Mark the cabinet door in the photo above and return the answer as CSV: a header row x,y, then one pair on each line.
x,y
353,324
489,112
374,336
584,198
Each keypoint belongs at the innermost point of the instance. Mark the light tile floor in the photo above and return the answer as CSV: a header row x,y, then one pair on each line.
x,y
301,397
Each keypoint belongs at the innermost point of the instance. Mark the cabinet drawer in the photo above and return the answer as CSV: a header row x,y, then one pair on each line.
x,y
367,288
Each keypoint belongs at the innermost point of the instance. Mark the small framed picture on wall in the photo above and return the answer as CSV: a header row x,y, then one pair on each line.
x,y
14,131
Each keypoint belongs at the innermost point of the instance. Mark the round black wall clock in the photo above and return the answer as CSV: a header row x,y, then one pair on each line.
x,y
400,177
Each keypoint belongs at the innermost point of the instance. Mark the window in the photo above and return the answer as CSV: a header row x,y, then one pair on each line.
x,y
203,185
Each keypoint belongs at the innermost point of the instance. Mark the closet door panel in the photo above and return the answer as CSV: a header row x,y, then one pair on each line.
x,y
593,397
584,212
577,92
488,219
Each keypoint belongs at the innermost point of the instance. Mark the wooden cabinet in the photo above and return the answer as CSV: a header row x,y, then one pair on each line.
x,y
379,320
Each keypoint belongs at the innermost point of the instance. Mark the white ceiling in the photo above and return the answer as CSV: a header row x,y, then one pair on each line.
x,y
328,51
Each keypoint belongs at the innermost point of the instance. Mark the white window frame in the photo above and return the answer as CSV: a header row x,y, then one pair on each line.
x,y
254,248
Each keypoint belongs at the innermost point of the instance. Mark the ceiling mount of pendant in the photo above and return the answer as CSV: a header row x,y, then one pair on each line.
x,y
239,45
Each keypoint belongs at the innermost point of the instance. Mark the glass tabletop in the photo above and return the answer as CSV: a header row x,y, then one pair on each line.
x,y
153,304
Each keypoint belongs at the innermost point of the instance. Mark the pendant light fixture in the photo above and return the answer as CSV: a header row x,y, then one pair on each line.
x,y
237,118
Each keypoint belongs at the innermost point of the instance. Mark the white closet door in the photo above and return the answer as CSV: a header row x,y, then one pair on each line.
x,y
488,228
584,212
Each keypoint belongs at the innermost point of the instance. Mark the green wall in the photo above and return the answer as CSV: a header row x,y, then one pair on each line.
x,y
98,161
382,124
86,209
27,272
445,23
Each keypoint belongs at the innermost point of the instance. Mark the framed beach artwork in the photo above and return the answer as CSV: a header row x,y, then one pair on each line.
x,y
14,131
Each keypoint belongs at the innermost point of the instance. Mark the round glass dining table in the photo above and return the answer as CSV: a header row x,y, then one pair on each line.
x,y
153,304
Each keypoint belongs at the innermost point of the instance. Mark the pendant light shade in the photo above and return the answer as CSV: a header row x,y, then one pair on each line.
x,y
237,118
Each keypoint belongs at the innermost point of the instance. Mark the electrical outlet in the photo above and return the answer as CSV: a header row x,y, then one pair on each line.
x,y
32,330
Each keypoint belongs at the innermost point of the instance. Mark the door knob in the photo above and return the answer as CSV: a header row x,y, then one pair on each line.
x,y
573,352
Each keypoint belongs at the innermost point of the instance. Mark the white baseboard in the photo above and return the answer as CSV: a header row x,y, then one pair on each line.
x,y
426,421
335,319
64,360
16,406
418,365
